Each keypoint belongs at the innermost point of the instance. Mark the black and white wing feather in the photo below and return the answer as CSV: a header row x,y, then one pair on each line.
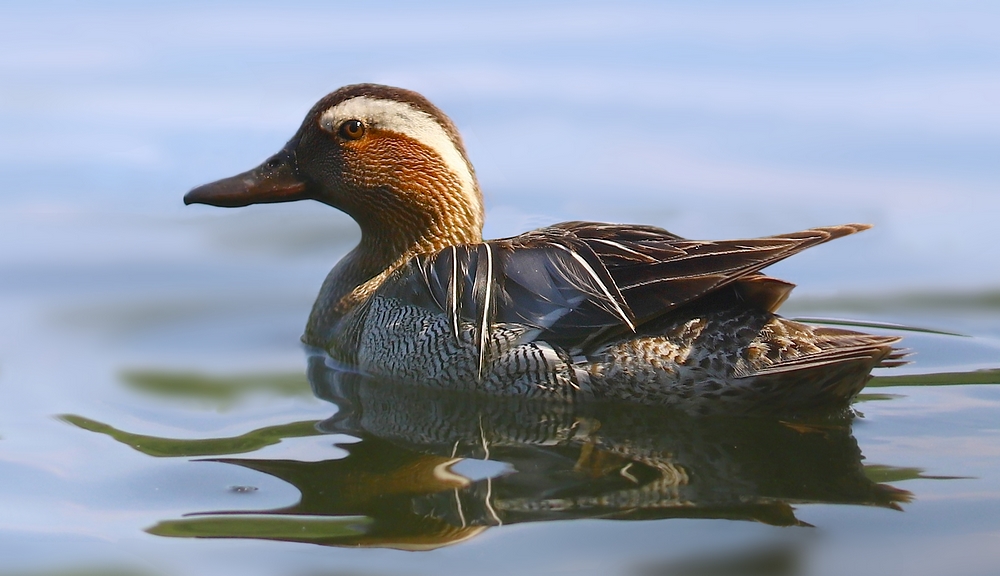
x,y
573,280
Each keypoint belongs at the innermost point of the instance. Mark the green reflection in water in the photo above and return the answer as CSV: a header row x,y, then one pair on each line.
x,y
952,300
944,379
217,391
396,487
875,397
783,559
882,473
176,447
271,527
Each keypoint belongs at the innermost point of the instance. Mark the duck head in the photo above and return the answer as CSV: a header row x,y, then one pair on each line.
x,y
387,157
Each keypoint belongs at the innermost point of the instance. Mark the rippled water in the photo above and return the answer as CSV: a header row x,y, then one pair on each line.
x,y
159,416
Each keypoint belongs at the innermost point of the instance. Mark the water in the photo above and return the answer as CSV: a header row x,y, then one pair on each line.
x,y
143,342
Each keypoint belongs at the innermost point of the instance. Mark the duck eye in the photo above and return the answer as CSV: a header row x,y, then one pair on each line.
x,y
352,130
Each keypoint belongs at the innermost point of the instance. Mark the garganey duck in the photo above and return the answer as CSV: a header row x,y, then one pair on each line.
x,y
577,310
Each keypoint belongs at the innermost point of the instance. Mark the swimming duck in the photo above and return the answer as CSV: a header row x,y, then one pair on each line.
x,y
578,310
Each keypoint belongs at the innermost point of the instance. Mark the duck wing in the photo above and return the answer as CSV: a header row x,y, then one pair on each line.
x,y
656,275
572,281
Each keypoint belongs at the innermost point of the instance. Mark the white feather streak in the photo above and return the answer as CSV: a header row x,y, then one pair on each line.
x,y
603,286
487,295
453,291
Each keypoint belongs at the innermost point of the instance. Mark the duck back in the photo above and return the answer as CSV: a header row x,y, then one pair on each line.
x,y
586,310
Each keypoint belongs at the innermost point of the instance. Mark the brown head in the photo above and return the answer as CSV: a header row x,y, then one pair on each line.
x,y
387,157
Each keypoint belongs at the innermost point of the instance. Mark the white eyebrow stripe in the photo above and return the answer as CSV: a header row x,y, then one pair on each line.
x,y
404,119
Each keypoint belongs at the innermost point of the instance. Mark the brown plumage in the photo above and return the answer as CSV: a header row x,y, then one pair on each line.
x,y
575,310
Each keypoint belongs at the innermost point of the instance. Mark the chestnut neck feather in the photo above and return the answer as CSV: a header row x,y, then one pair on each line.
x,y
410,205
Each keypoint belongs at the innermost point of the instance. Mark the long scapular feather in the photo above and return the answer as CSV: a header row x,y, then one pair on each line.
x,y
575,283
619,304
453,294
485,293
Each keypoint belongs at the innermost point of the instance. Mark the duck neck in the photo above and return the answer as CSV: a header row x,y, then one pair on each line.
x,y
390,237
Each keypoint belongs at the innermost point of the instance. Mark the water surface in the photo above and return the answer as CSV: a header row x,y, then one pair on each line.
x,y
160,417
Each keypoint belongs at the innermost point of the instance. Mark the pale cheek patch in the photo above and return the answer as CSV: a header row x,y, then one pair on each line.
x,y
403,119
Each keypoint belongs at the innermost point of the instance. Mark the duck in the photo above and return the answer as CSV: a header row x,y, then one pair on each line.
x,y
574,311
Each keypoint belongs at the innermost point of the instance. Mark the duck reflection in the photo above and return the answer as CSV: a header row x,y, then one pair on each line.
x,y
435,468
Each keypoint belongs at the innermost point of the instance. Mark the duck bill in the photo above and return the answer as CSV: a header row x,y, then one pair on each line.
x,y
276,180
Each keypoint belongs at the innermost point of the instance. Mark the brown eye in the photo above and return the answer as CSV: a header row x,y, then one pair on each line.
x,y
352,130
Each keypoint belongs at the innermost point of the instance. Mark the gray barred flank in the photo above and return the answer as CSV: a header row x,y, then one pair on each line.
x,y
693,364
401,339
